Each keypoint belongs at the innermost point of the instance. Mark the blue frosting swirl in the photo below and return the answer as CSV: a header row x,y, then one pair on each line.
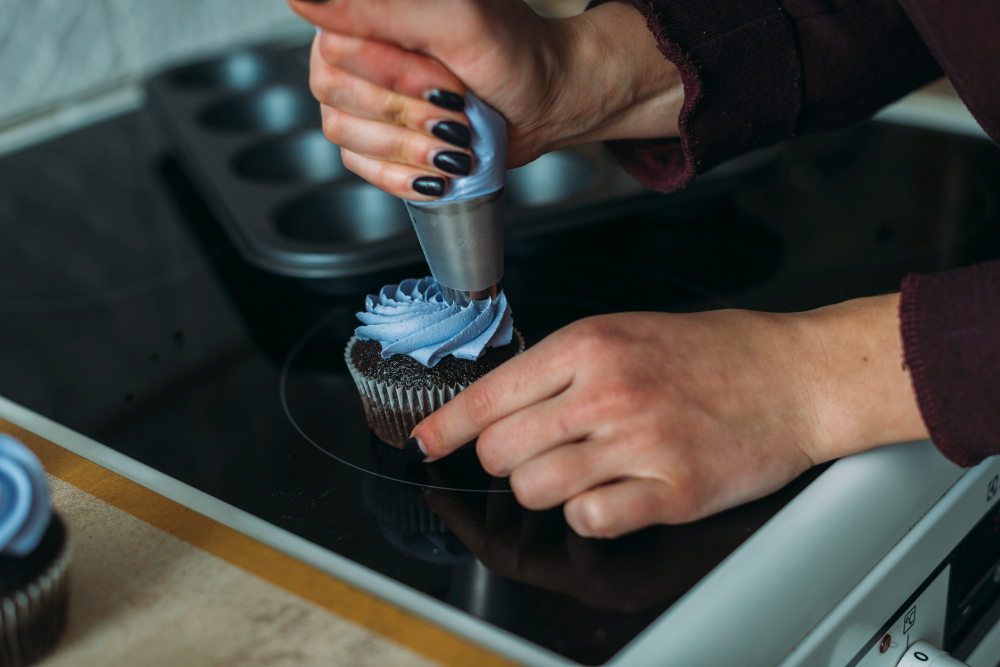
x,y
413,318
25,508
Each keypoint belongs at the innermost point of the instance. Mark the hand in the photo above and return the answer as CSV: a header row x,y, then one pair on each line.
x,y
629,574
644,418
390,74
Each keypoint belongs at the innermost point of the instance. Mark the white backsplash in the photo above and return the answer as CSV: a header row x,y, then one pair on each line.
x,y
54,53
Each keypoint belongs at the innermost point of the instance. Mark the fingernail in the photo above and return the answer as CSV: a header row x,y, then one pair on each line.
x,y
413,452
453,162
446,100
453,133
432,186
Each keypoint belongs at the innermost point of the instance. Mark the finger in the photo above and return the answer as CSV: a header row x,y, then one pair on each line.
x,y
358,98
539,373
414,24
559,474
525,434
386,65
400,180
618,508
393,143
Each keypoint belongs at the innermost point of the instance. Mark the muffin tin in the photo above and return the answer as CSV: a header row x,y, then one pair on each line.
x,y
247,130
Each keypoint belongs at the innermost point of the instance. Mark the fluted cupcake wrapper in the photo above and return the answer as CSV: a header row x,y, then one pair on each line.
x,y
394,410
33,617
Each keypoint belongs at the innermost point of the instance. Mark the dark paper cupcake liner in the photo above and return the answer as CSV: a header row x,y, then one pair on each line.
x,y
394,410
34,597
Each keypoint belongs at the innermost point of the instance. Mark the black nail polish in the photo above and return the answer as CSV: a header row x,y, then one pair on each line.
x,y
432,186
453,133
446,100
452,162
412,453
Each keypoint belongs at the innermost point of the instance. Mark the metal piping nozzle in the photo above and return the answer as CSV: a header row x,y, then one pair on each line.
x,y
463,244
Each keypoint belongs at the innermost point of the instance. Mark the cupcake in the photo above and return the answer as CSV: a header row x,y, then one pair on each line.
x,y
34,559
415,351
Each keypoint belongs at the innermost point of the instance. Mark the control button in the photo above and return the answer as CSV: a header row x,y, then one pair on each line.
x,y
922,654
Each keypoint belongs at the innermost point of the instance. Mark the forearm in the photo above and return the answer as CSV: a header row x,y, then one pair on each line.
x,y
863,391
758,72
616,83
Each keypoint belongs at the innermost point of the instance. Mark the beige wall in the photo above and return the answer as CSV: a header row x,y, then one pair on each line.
x,y
54,53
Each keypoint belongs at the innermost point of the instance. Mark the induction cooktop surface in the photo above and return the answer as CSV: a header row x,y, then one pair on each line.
x,y
127,316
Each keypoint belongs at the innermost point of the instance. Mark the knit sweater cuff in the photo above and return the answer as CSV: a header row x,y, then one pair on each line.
x,y
704,43
950,325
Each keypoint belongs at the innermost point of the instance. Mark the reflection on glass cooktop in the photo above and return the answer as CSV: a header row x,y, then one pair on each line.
x,y
128,317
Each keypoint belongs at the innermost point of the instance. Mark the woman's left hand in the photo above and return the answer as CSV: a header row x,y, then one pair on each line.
x,y
643,418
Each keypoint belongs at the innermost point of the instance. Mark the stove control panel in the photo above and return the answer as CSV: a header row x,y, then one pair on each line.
x,y
922,654
954,608
923,620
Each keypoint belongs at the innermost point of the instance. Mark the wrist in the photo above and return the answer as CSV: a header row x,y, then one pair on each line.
x,y
615,83
861,390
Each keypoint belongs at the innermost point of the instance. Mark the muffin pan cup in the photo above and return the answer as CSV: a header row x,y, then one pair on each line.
x,y
247,131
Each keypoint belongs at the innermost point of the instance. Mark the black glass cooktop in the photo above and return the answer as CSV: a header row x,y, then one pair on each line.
x,y
125,314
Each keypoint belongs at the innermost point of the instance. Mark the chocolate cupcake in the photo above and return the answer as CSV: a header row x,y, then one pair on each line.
x,y
34,559
416,351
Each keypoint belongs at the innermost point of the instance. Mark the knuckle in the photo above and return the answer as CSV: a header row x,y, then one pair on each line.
x,y
604,401
328,86
350,161
481,405
529,494
590,336
594,518
394,108
329,48
317,83
681,501
402,147
625,391
490,455
565,424
388,178
333,128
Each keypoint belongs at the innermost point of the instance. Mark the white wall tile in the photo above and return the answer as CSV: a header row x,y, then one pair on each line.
x,y
156,32
53,52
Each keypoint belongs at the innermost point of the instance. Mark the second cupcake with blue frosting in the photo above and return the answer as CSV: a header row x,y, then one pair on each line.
x,y
415,351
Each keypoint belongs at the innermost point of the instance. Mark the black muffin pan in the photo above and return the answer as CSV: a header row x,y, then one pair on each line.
x,y
247,130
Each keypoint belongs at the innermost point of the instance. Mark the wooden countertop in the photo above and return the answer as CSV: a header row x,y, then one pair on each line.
x,y
157,583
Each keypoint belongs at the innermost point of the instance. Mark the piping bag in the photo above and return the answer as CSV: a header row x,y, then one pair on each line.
x,y
461,233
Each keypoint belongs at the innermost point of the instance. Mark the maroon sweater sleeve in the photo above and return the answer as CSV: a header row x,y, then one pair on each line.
x,y
951,337
756,72
759,71
951,320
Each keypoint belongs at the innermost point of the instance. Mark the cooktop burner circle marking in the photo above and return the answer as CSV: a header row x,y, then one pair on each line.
x,y
371,463
283,395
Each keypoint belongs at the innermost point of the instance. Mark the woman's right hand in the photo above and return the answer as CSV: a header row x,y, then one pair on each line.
x,y
390,76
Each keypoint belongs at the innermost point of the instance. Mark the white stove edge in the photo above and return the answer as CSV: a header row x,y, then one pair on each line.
x,y
880,594
756,608
770,593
